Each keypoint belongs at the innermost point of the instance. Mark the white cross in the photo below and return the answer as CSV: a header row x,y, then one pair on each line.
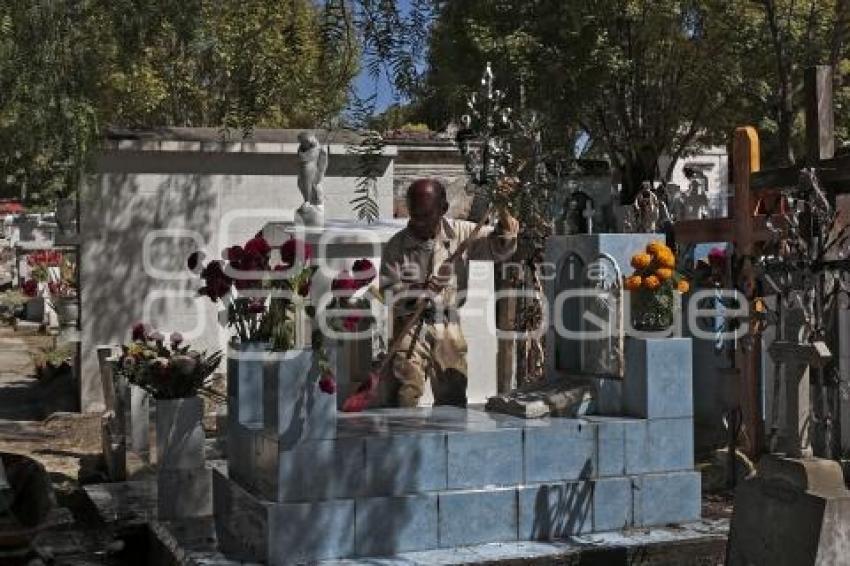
x,y
588,215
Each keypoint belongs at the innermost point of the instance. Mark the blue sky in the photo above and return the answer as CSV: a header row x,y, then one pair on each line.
x,y
367,86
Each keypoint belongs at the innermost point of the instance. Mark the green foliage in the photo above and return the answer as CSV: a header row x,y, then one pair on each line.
x,y
70,68
370,165
54,356
639,78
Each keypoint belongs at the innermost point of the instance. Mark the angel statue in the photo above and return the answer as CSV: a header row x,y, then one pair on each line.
x,y
313,162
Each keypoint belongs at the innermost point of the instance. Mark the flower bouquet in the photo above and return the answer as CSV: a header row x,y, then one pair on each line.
x,y
261,298
165,369
653,286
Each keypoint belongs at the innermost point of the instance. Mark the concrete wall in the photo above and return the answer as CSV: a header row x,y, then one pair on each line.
x,y
714,163
152,200
439,159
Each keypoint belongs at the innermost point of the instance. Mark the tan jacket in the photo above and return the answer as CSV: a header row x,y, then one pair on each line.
x,y
408,260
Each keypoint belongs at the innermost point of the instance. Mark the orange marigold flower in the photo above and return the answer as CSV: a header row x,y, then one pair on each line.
x,y
666,259
651,282
683,286
641,261
664,273
633,283
656,247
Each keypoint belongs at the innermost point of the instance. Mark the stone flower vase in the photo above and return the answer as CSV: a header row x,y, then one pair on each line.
x,y
183,482
295,408
67,310
245,367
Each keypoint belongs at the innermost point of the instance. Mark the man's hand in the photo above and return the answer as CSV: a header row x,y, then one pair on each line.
x,y
507,223
504,189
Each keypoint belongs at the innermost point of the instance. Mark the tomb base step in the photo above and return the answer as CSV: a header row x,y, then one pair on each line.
x,y
398,452
250,528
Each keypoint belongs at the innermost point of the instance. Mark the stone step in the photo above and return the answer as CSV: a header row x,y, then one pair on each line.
x,y
250,528
419,451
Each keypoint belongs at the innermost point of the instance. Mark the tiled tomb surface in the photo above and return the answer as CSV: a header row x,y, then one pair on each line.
x,y
400,480
390,481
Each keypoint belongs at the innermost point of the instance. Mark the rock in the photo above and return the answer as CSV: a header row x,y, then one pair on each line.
x,y
559,398
715,474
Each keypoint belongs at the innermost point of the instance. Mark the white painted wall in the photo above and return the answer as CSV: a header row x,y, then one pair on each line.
x,y
148,205
713,162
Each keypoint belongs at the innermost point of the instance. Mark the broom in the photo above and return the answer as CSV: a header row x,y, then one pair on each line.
x,y
368,390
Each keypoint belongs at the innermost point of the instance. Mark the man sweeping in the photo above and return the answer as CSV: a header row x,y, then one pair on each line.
x,y
429,261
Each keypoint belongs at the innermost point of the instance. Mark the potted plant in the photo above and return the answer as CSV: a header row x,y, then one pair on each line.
x,y
63,294
54,361
264,297
173,374
653,287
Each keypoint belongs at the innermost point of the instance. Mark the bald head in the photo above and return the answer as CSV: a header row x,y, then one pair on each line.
x,y
426,204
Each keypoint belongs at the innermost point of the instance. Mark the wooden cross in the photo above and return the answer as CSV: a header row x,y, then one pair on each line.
x,y
746,226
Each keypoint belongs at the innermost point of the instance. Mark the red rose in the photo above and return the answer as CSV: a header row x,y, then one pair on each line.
x,y
258,245
30,288
327,384
344,282
233,254
293,250
350,323
194,261
217,283
256,306
364,272
139,331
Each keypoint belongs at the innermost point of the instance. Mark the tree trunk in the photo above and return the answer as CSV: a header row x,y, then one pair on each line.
x,y
640,164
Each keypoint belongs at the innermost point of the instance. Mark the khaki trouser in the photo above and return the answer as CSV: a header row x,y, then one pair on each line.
x,y
434,352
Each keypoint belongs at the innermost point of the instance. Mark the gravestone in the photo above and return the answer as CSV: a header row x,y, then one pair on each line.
x,y
583,291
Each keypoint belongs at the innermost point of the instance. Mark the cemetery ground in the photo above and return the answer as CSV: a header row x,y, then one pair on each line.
x,y
38,420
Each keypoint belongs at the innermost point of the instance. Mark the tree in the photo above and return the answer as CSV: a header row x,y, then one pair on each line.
x,y
68,69
794,35
641,78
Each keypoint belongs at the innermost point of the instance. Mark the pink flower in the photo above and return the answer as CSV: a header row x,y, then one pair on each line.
x,y
717,257
293,250
327,384
176,338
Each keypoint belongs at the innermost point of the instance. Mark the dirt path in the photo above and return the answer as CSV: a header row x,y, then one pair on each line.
x,y
36,420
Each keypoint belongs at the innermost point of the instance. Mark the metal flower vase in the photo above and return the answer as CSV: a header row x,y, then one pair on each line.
x,y
653,310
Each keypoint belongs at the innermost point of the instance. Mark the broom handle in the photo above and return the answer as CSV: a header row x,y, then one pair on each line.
x,y
422,302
